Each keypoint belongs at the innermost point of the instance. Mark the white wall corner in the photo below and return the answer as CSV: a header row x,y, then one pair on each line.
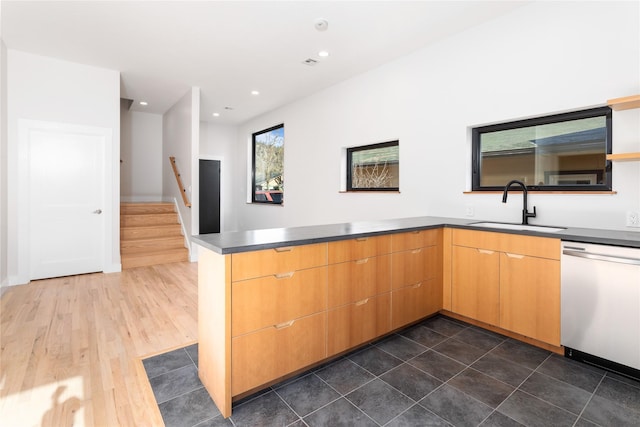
x,y
185,234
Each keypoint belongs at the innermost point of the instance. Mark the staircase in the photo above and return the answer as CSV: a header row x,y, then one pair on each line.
x,y
150,234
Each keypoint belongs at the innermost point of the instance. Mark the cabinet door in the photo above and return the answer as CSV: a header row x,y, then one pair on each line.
x,y
270,353
414,302
356,280
530,297
357,323
475,284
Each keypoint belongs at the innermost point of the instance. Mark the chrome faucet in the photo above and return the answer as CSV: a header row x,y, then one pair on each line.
x,y
525,212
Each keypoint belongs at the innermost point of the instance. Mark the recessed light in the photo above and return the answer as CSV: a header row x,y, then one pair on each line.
x,y
323,53
216,114
255,92
143,103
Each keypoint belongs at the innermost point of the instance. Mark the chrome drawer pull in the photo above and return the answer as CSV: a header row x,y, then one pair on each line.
x,y
284,275
362,261
485,251
284,325
417,285
363,302
416,251
283,249
361,239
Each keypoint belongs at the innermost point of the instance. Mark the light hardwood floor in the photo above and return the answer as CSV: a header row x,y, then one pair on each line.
x,y
71,347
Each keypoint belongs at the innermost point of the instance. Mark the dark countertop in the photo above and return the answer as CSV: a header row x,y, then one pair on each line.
x,y
252,240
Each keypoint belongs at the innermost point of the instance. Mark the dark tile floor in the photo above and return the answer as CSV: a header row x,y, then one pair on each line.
x,y
439,373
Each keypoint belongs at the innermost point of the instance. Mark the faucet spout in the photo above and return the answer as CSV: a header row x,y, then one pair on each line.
x,y
525,212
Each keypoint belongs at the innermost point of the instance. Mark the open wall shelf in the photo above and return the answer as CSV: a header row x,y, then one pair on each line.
x,y
623,157
624,103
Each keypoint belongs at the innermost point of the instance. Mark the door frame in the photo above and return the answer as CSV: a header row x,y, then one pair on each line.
x,y
25,127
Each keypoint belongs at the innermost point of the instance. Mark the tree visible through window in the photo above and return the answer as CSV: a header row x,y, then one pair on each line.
x,y
268,165
373,167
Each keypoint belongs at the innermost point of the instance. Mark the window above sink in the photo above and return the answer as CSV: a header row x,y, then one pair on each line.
x,y
561,152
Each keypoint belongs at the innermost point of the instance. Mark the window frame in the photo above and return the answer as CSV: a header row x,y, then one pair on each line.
x,y
351,150
476,158
253,167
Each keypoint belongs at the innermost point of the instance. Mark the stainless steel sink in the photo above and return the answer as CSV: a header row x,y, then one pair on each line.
x,y
509,226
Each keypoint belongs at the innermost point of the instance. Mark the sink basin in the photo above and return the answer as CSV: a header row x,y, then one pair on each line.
x,y
508,226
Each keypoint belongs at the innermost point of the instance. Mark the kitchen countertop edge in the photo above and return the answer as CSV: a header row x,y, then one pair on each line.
x,y
253,240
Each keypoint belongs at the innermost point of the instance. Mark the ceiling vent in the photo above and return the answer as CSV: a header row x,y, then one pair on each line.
x,y
310,62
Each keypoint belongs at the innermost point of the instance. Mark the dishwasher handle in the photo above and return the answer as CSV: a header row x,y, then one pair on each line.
x,y
601,257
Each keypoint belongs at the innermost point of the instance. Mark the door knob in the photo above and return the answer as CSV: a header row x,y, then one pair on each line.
x,y
97,211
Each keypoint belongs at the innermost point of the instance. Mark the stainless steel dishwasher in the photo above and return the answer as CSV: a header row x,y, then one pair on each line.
x,y
600,305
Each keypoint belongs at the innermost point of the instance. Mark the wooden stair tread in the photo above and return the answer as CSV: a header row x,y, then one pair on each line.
x,y
154,257
137,208
147,245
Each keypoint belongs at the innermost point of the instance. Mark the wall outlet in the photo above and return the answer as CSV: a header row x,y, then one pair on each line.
x,y
633,219
469,211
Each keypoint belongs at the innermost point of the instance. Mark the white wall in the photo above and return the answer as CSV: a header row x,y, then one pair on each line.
x,y
141,155
543,58
218,142
3,166
180,139
52,90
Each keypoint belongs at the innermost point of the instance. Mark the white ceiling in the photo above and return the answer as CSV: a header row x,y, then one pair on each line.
x,y
229,48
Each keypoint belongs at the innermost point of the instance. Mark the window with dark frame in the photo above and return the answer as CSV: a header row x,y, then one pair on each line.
x,y
373,167
267,159
560,152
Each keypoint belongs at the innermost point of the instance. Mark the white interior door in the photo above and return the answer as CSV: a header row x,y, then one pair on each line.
x,y
66,197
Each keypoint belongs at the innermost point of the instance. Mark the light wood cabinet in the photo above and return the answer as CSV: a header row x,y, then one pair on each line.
x,y
416,276
507,280
530,296
270,353
359,292
354,324
475,290
268,313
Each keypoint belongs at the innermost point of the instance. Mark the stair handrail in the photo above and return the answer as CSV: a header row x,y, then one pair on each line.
x,y
172,159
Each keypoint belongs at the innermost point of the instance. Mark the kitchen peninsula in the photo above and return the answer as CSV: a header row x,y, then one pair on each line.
x,y
275,302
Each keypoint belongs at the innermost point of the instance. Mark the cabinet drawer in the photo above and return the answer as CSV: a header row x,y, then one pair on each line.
x,y
415,239
356,280
413,266
247,265
270,353
357,323
543,247
415,302
354,249
271,300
